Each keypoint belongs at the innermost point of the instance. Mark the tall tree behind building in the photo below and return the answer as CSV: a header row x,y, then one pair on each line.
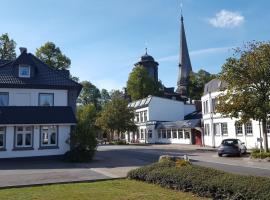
x,y
53,56
197,82
140,85
7,47
90,94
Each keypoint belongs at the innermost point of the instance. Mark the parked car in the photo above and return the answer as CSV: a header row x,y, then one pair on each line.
x,y
232,147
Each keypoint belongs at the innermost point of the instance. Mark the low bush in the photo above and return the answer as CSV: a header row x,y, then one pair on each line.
x,y
118,142
205,182
255,153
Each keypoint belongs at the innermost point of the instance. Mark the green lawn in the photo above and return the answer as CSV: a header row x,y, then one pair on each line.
x,y
111,190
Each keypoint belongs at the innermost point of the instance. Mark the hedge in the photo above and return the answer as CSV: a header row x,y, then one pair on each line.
x,y
204,182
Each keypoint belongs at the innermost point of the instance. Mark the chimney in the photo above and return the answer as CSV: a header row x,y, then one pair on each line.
x,y
23,49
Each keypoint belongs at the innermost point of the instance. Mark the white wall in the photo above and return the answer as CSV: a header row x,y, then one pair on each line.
x,y
60,96
161,109
63,135
211,118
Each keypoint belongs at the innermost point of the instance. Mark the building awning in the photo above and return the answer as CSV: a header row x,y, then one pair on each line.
x,y
193,123
37,115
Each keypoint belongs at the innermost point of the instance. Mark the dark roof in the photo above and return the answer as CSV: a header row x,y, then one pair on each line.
x,y
214,86
44,76
147,57
193,123
37,115
2,62
194,115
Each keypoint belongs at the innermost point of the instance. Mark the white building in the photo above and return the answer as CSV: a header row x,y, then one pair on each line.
x,y
218,127
37,105
162,120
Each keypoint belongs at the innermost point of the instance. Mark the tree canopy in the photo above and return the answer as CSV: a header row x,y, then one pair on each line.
x,y
83,138
116,117
53,56
140,84
7,47
248,91
197,82
90,94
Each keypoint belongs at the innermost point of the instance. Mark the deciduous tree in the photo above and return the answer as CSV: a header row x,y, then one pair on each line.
x,y
7,47
90,94
116,117
140,84
53,56
248,93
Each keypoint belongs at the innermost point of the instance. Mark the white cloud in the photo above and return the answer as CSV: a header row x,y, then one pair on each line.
x,y
227,19
198,53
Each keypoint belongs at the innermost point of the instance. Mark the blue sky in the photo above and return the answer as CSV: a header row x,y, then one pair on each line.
x,y
104,38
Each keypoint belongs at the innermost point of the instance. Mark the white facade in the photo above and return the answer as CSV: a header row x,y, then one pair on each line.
x,y
30,97
35,148
152,110
217,127
38,139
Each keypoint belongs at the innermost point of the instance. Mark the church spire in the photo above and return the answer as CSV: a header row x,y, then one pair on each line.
x,y
184,63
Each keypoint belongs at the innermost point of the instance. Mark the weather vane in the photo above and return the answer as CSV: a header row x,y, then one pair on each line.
x,y
146,45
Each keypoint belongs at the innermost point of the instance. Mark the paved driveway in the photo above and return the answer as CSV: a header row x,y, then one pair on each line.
x,y
114,162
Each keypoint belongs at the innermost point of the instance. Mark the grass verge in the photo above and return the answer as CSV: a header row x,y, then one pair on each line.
x,y
121,189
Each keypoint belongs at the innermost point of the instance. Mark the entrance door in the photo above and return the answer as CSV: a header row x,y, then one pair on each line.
x,y
198,138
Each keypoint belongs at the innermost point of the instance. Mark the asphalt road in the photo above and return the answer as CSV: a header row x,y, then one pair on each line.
x,y
142,155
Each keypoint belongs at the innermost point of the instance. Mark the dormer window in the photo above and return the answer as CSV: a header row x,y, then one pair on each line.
x,y
24,71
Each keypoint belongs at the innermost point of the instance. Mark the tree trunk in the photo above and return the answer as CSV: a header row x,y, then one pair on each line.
x,y
265,139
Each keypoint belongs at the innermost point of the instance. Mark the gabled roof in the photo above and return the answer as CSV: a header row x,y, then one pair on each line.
x,y
2,62
37,115
44,76
214,86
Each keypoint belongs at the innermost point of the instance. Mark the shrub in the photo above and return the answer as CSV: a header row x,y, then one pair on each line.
x,y
204,181
118,142
255,153
83,141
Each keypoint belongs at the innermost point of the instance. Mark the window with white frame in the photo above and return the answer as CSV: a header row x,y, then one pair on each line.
x,y
46,99
159,133
145,116
174,134
137,117
2,137
142,133
248,128
214,105
169,133
141,116
150,133
187,134
180,134
268,127
48,136
3,99
238,128
24,136
164,134
206,129
216,129
24,71
224,128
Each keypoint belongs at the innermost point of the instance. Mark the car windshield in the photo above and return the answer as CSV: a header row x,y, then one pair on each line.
x,y
229,142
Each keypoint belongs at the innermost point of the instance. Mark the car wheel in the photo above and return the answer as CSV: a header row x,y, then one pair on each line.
x,y
220,154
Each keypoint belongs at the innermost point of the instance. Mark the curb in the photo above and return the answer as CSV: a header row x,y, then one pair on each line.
x,y
57,183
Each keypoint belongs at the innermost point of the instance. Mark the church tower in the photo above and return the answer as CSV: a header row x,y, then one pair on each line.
x,y
149,63
184,64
